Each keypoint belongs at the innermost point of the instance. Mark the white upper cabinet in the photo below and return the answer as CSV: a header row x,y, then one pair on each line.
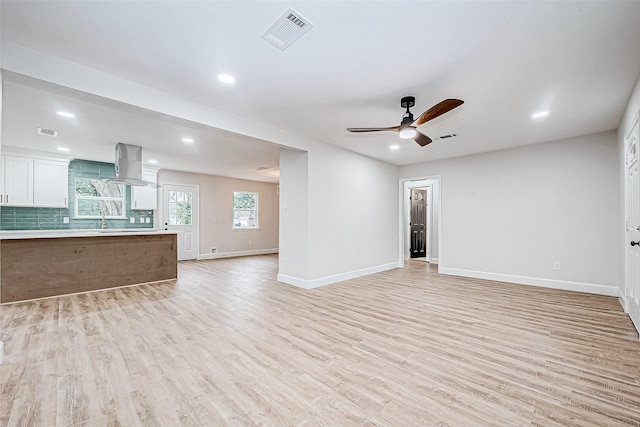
x,y
34,182
145,197
51,183
18,181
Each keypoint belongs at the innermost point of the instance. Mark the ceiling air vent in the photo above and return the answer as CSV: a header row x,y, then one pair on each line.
x,y
47,132
287,29
447,136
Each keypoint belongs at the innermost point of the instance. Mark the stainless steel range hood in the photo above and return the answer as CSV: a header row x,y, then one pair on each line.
x,y
129,165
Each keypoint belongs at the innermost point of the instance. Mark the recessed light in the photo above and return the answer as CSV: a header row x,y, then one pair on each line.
x,y
152,161
187,140
65,114
226,78
394,147
65,149
540,114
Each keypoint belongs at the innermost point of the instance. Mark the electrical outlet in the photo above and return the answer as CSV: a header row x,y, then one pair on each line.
x,y
132,220
285,261
147,220
556,265
214,250
65,220
250,242
141,220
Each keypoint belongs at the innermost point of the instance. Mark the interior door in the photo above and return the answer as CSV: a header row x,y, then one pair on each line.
x,y
632,282
418,223
181,215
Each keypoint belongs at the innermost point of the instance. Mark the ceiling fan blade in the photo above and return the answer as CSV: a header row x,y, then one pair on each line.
x,y
422,139
437,110
392,128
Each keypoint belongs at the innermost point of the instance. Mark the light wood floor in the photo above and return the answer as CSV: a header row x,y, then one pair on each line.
x,y
228,345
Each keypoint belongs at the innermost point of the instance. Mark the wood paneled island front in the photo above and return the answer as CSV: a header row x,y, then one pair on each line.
x,y
48,264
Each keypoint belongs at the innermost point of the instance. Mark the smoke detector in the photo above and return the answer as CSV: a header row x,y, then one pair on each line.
x,y
288,28
47,132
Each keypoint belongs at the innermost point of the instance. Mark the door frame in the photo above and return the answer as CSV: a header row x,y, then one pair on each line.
x,y
428,191
434,216
629,303
162,208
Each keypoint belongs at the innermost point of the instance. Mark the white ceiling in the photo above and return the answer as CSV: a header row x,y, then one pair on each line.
x,y
100,123
506,60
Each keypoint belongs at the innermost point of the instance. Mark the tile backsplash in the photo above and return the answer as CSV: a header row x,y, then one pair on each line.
x,y
24,218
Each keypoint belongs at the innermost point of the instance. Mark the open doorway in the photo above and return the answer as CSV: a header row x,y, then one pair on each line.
x,y
420,220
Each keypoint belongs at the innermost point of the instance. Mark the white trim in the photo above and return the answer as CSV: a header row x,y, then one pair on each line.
x,y
1,352
434,261
634,314
335,278
237,254
591,288
404,185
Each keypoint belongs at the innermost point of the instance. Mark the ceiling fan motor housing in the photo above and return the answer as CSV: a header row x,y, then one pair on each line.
x,y
407,102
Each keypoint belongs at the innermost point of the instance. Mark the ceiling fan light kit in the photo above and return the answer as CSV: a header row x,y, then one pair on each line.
x,y
408,127
408,133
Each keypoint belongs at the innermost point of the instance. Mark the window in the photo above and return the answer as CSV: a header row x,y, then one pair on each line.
x,y
179,205
245,209
95,196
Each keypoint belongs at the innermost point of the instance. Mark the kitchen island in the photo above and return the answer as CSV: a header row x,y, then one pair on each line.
x,y
38,264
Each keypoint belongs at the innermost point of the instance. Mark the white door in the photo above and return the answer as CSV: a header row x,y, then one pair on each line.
x,y
632,258
181,215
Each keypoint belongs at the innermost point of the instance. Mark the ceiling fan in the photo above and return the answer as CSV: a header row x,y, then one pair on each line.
x,y
408,127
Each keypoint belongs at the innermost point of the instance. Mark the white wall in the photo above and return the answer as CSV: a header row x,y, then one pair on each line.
x,y
353,215
216,202
508,215
294,216
352,207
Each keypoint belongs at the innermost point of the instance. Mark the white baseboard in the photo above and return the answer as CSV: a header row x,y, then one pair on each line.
x,y
238,253
1,351
634,314
434,261
591,288
327,280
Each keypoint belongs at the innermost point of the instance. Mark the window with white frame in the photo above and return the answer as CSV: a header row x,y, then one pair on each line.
x,y
245,209
96,196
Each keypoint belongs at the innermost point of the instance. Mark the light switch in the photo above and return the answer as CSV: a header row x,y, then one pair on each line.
x,y
132,220
141,220
147,220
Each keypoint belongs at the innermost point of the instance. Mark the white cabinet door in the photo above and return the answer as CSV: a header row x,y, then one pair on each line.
x,y
18,181
51,184
145,197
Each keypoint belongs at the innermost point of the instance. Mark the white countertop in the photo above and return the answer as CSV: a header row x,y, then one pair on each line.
x,y
48,234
